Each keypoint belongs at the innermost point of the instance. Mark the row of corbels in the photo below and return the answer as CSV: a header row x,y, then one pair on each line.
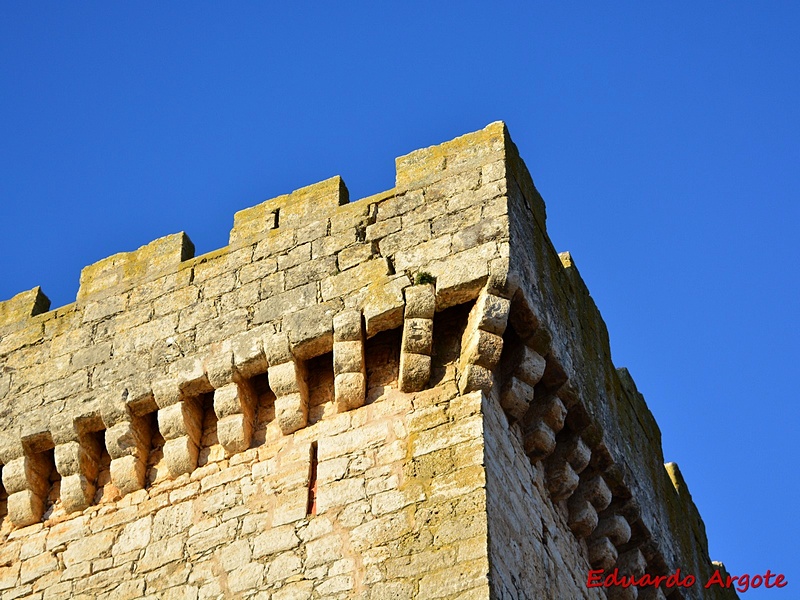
x,y
536,394
120,419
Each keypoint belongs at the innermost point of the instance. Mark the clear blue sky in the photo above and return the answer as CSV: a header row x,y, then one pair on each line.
x,y
664,137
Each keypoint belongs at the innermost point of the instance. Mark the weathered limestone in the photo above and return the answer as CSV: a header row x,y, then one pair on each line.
x,y
234,405
564,467
417,342
77,463
287,378
27,483
611,531
23,306
278,418
181,425
592,496
127,444
349,365
482,343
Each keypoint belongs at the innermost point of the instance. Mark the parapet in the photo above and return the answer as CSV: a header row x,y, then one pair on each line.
x,y
437,314
23,305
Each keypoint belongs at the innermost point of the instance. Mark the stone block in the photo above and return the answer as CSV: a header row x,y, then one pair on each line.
x,y
415,371
415,258
234,433
384,305
191,377
354,255
180,455
596,490
531,367
632,562
23,306
166,392
285,378
577,453
74,458
417,336
461,277
36,436
113,408
491,313
381,229
291,507
27,473
233,399
602,553
350,391
348,357
218,367
275,540
184,418
355,278
77,492
24,508
276,349
248,354
140,399
540,441
298,255
160,256
582,517
291,412
128,473
515,398
420,301
615,528
127,438
347,326
411,236
275,306
552,411
562,480
399,204
482,348
310,330
504,278
473,378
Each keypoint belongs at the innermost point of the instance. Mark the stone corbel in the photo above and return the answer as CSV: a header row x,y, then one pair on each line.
x,y
417,342
27,483
287,379
611,532
234,405
564,466
592,496
234,398
482,342
128,445
180,421
349,365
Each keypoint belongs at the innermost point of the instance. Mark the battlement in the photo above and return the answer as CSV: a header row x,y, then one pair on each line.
x,y
359,373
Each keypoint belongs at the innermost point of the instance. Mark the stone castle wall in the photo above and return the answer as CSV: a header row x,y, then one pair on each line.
x,y
302,415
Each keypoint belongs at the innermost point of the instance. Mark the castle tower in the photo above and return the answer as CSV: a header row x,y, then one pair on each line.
x,y
406,396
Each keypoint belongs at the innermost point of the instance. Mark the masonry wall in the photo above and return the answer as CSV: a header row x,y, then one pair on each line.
x,y
400,506
599,431
303,414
